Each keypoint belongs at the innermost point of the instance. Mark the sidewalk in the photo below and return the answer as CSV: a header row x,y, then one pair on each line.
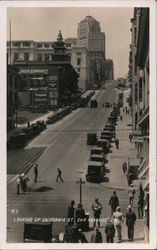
x,y
118,180
125,152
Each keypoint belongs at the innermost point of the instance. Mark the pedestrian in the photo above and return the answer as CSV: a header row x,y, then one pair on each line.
x,y
110,231
130,137
130,222
96,236
118,217
141,190
140,204
124,167
59,176
117,143
82,237
35,172
71,213
129,178
18,185
121,117
97,207
79,214
113,202
131,193
126,110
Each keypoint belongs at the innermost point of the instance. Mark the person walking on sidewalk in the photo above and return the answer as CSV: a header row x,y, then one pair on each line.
x,y
96,236
71,213
113,202
59,176
117,143
131,193
130,222
118,218
140,204
130,137
124,167
110,231
97,207
18,184
35,172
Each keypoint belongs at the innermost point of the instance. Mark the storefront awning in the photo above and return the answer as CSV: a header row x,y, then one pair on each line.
x,y
143,172
145,183
142,164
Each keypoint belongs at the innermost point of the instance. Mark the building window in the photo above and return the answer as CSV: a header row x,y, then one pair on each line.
x,y
39,57
26,56
78,69
16,56
26,44
39,45
78,53
46,57
46,45
78,61
16,44
140,89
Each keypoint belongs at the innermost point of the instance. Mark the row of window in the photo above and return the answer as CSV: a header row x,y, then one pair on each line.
x,y
28,44
27,56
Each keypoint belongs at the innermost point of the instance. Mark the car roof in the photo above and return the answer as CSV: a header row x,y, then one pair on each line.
x,y
95,163
97,148
97,156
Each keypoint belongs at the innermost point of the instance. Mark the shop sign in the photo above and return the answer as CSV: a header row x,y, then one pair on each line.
x,y
33,71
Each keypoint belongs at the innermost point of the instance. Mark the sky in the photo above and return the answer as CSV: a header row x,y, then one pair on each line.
x,y
43,24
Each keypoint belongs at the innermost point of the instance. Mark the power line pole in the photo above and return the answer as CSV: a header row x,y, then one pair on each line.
x,y
80,182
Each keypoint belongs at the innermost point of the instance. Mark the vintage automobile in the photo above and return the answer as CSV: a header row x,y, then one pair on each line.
x,y
93,103
95,172
41,124
98,151
91,138
95,157
104,144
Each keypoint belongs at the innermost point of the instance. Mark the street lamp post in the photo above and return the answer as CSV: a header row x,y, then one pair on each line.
x,y
80,182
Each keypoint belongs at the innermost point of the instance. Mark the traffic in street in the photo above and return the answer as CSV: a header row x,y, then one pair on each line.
x,y
65,147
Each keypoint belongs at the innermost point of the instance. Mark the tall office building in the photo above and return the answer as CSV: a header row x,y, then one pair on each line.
x,y
89,34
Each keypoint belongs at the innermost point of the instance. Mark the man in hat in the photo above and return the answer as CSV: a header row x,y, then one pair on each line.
x,y
96,236
97,207
35,172
71,213
117,143
130,222
140,204
18,184
118,217
59,176
80,214
110,230
113,202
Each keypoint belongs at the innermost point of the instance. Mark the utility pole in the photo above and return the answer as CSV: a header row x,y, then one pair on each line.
x,y
80,182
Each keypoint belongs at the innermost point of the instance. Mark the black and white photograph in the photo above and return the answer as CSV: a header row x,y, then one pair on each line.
x,y
80,144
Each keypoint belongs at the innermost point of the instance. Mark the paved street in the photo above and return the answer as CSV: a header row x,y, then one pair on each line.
x,y
65,147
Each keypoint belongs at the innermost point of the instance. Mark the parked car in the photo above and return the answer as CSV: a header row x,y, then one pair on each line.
x,y
95,172
91,139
